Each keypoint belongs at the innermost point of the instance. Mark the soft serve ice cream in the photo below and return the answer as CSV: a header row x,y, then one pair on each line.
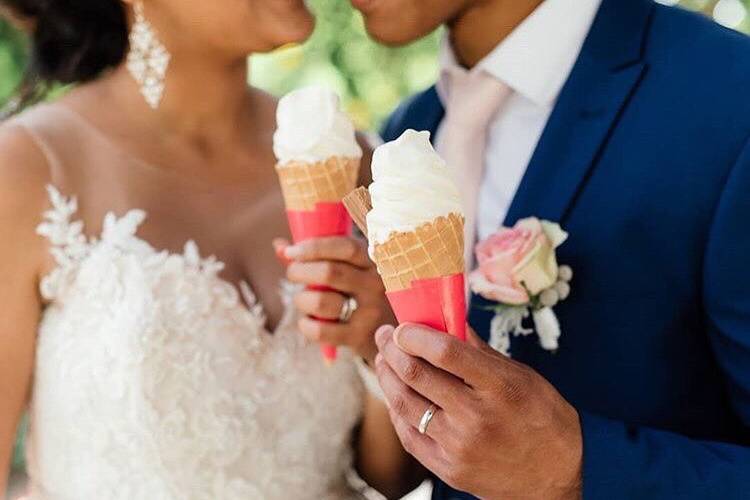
x,y
311,127
411,186
316,148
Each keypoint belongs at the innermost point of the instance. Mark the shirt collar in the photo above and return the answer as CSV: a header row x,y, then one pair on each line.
x,y
536,59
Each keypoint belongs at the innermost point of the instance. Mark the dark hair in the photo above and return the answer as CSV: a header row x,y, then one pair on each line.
x,y
71,40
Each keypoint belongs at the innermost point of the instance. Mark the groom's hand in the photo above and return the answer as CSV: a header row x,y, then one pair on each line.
x,y
500,429
342,265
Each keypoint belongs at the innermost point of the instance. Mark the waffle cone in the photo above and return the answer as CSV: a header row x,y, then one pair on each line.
x,y
433,250
306,184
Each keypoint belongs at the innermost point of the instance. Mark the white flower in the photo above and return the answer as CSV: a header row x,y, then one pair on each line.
x,y
506,322
547,327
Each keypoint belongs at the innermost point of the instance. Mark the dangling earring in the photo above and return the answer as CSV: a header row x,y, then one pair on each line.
x,y
148,59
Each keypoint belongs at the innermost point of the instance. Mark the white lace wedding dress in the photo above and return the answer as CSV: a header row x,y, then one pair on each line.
x,y
155,380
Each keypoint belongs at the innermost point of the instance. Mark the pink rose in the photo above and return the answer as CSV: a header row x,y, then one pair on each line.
x,y
517,259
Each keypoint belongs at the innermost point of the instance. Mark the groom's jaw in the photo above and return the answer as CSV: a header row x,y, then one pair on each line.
x,y
479,28
476,26
399,22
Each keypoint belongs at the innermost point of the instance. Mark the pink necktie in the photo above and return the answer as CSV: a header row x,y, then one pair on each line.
x,y
473,98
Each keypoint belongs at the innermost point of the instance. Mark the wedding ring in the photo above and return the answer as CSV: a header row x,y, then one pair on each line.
x,y
348,309
426,419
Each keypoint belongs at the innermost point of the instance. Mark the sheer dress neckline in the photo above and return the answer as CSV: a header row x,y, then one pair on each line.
x,y
119,150
102,137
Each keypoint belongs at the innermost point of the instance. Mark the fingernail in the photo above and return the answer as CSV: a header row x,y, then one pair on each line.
x,y
281,255
381,336
293,252
398,336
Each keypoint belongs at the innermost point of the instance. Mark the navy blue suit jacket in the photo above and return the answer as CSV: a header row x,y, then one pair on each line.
x,y
646,162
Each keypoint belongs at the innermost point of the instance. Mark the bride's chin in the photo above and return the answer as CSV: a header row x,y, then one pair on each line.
x,y
304,30
290,34
299,30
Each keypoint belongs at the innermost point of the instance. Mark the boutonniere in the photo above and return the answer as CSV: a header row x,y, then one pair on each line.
x,y
518,271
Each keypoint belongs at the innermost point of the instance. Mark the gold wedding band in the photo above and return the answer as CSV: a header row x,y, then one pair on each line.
x,y
426,419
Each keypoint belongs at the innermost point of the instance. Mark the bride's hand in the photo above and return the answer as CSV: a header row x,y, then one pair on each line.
x,y
341,264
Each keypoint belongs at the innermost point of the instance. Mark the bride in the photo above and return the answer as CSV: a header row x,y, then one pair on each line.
x,y
149,369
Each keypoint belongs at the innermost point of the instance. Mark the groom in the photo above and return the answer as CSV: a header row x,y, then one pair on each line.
x,y
628,122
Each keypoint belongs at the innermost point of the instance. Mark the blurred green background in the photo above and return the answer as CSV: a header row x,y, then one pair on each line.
x,y
371,79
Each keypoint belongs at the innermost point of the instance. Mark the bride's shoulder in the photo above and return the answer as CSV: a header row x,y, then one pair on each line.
x,y
24,175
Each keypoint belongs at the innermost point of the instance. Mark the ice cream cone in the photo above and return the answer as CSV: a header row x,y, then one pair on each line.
x,y
413,213
318,159
304,185
312,195
434,250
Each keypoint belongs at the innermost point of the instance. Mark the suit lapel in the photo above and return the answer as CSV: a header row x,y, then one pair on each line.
x,y
605,76
422,112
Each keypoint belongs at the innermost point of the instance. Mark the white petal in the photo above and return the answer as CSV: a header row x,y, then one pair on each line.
x,y
554,232
547,327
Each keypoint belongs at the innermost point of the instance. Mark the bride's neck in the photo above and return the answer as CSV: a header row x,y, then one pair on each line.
x,y
200,101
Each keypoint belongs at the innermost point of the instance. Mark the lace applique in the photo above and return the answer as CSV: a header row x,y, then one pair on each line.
x,y
121,232
155,381
251,301
69,245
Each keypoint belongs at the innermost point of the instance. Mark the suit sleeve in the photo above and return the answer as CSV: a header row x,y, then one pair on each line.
x,y
622,461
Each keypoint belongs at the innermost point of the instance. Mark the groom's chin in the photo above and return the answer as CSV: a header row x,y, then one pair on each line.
x,y
393,37
397,22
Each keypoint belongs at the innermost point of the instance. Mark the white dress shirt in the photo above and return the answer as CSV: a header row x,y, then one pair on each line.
x,y
535,60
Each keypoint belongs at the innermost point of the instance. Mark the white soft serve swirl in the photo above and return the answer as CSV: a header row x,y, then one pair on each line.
x,y
311,127
411,186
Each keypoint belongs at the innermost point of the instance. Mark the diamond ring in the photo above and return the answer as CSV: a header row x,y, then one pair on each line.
x,y
348,309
